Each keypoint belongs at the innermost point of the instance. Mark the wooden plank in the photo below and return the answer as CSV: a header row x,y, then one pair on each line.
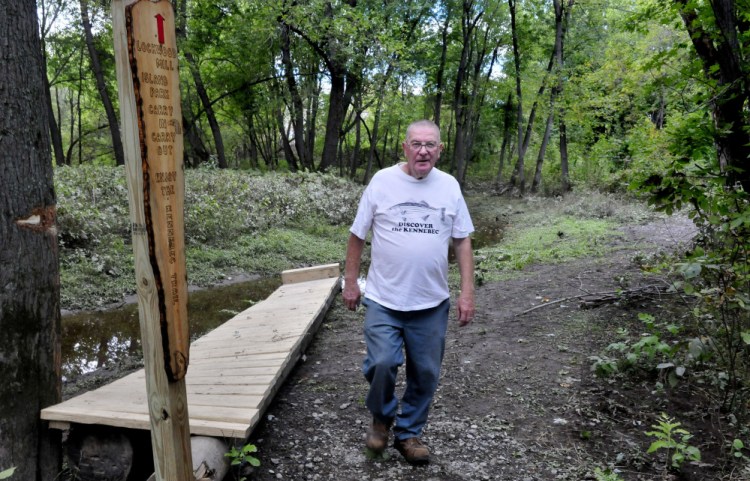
x,y
225,383
247,343
228,389
228,400
231,371
248,359
204,427
310,273
231,380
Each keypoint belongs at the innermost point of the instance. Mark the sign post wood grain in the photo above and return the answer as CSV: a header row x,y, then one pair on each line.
x,y
148,84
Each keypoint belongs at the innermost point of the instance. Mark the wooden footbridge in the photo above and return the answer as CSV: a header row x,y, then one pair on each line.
x,y
235,370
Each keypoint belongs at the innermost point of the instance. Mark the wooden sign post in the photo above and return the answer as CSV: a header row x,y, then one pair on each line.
x,y
148,81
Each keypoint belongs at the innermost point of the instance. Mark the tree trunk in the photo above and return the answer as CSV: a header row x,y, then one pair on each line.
x,y
286,146
718,47
354,163
338,104
181,33
312,117
507,134
518,178
114,125
54,128
296,108
198,153
564,175
200,89
561,19
461,99
543,149
30,297
440,77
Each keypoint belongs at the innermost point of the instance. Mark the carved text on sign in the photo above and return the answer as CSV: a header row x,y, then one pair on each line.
x,y
153,60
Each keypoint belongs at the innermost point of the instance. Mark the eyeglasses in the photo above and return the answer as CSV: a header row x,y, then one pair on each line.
x,y
417,146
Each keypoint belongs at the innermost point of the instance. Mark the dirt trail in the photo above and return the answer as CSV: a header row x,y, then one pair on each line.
x,y
517,399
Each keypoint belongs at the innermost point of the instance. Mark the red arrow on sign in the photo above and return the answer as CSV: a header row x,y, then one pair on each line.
x,y
160,27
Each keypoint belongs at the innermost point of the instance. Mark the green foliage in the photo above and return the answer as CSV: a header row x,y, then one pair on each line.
x,y
7,473
606,475
737,450
716,273
234,222
243,456
674,440
219,207
650,352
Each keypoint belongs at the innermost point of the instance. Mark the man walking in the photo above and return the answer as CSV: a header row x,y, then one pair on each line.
x,y
413,210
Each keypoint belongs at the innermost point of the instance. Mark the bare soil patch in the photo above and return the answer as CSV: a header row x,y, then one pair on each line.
x,y
517,401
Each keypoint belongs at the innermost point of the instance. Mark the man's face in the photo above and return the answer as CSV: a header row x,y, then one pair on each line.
x,y
422,149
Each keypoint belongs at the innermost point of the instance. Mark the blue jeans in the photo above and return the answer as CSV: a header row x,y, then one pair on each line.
x,y
388,333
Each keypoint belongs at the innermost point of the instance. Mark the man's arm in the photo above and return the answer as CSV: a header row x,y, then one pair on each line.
x,y
465,260
351,293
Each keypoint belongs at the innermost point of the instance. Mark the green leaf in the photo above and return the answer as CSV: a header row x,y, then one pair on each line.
x,y
691,270
745,337
7,473
693,453
648,318
659,444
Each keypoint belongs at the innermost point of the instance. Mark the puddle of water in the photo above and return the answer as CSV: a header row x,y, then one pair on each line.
x,y
93,340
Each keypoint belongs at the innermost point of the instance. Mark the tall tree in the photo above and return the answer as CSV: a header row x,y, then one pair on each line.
x,y
296,105
402,38
520,180
337,34
470,17
101,85
48,12
562,17
30,297
440,75
720,32
207,14
508,125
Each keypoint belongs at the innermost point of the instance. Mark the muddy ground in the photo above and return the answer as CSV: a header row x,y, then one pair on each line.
x,y
517,400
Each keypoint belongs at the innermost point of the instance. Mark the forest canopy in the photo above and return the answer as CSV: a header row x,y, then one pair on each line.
x,y
595,92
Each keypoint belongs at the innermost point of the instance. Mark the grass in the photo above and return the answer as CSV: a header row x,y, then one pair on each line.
x,y
539,230
559,240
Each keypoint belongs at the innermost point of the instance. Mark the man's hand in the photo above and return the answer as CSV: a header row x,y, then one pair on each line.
x,y
351,294
465,308
465,261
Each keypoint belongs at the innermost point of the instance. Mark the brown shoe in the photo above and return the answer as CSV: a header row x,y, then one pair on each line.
x,y
413,450
377,436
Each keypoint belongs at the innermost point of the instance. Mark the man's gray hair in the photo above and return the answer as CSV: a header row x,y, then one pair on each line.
x,y
422,123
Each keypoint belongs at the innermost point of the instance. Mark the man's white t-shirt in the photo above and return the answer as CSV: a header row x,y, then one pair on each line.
x,y
412,221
